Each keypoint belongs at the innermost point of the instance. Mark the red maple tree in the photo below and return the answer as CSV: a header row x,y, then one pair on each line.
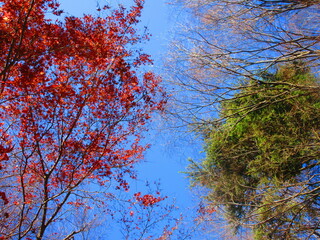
x,y
73,104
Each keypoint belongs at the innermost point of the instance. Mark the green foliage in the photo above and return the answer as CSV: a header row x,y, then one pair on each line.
x,y
262,159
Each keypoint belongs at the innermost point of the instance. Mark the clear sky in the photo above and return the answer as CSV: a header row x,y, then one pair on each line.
x,y
168,154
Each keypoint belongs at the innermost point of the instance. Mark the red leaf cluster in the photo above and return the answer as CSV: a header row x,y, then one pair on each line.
x,y
147,199
73,103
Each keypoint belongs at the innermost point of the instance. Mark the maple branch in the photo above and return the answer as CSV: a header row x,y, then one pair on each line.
x,y
10,62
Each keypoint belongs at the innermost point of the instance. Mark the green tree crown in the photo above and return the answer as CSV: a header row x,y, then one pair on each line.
x,y
262,157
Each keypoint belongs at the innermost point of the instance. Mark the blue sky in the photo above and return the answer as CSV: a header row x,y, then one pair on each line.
x,y
169,152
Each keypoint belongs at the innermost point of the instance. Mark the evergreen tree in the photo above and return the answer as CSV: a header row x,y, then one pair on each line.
x,y
262,164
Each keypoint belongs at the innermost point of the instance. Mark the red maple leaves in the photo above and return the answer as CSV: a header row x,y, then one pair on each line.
x,y
73,103
147,199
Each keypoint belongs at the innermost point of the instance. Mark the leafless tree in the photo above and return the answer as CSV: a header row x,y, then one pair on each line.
x,y
229,42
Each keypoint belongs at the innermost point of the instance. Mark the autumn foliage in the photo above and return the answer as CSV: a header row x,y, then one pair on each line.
x,y
147,199
73,104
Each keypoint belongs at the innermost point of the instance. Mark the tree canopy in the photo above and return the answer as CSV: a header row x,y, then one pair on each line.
x,y
245,76
74,101
262,164
227,42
